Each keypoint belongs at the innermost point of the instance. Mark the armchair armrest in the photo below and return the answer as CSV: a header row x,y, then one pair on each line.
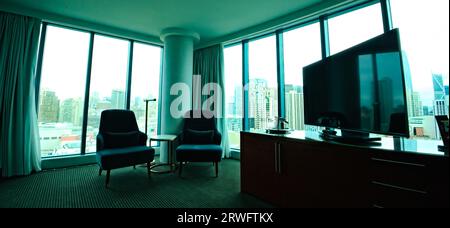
x,y
142,139
217,138
100,142
180,138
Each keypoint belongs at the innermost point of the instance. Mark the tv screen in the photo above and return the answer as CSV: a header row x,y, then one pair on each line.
x,y
361,89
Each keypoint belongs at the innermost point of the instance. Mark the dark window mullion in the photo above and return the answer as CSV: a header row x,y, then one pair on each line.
x,y
86,95
129,74
161,71
324,37
280,74
245,84
387,16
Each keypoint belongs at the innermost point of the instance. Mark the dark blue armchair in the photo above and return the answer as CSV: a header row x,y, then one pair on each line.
x,y
120,143
200,140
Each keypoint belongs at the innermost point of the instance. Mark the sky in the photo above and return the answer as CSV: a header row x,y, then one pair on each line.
x,y
65,65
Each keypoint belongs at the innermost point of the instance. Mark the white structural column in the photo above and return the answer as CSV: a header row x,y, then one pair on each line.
x,y
177,68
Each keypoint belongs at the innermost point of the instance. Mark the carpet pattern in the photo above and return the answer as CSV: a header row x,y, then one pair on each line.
x,y
81,187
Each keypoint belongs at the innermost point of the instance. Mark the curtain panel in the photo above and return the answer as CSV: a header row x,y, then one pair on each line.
x,y
208,87
19,135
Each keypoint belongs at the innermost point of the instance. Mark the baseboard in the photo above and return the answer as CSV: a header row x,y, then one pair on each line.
x,y
76,160
63,162
235,154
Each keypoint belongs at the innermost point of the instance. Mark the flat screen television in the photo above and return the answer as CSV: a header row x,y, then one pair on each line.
x,y
360,90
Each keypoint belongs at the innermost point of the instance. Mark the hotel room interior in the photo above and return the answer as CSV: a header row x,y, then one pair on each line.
x,y
224,104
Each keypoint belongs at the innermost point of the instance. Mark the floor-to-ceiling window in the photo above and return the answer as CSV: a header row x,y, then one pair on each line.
x,y
424,39
354,27
424,32
108,82
263,84
63,86
62,89
146,70
233,93
302,47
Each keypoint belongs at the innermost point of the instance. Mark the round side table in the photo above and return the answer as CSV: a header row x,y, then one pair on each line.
x,y
170,139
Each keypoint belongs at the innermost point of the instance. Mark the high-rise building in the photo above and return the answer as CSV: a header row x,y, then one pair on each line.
x,y
416,105
238,101
294,109
438,85
446,98
48,107
71,112
427,111
261,105
118,99
440,108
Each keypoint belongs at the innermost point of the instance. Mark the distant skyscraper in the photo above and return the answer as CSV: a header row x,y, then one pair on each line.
x,y
261,105
438,85
427,111
71,112
446,98
238,101
257,103
416,105
48,107
118,99
440,108
294,109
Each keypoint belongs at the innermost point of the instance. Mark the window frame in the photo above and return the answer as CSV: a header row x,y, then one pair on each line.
x,y
325,45
87,91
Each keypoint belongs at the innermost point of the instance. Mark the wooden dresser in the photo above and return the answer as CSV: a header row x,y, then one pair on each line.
x,y
300,170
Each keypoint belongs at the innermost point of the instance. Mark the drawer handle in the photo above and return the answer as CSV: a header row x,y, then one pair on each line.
x,y
279,158
399,188
397,162
276,157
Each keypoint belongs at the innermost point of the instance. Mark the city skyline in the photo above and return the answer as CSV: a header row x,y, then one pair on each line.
x,y
419,113
60,121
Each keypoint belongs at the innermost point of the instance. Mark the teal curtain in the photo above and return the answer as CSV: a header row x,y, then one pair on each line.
x,y
19,135
209,68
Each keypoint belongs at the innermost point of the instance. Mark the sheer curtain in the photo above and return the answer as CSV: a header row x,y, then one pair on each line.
x,y
19,135
208,65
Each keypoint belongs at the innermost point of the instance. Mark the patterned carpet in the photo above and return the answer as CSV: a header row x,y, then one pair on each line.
x,y
81,187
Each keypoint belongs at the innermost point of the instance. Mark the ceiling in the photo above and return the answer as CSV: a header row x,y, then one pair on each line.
x,y
212,19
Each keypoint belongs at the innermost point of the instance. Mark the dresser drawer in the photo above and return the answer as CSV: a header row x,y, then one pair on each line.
x,y
389,196
398,173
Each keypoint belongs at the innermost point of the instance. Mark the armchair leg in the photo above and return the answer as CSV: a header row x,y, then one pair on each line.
x,y
217,169
148,169
108,172
100,172
181,168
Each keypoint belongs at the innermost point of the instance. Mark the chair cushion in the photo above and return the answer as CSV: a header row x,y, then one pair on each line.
x,y
123,157
199,153
194,137
121,140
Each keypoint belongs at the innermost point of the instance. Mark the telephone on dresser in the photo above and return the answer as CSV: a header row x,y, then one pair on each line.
x,y
281,126
282,123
